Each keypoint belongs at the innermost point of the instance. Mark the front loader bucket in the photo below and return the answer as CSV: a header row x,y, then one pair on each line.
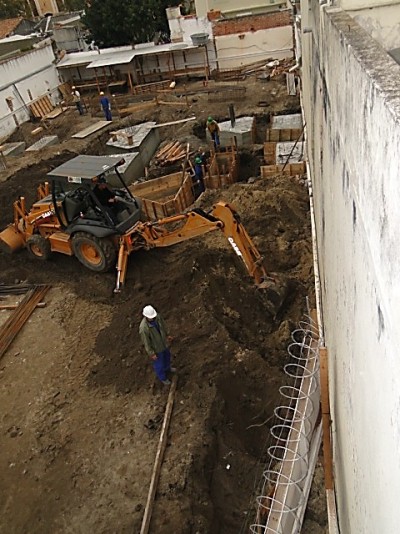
x,y
11,240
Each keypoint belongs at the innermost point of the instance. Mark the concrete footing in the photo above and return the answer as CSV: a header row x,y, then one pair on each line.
x,y
131,170
44,142
13,149
142,138
284,122
289,152
243,131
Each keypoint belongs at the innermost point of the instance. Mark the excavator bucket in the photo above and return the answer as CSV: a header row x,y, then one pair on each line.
x,y
11,239
275,294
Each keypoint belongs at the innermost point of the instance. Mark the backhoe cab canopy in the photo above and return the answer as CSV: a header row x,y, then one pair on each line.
x,y
83,169
73,185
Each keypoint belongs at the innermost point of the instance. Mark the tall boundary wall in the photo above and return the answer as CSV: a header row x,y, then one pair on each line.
x,y
351,92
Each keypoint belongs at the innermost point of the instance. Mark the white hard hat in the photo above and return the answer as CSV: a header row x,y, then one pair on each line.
x,y
73,87
101,93
149,312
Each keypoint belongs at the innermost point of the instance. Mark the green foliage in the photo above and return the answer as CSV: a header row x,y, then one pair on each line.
x,y
122,22
12,8
75,5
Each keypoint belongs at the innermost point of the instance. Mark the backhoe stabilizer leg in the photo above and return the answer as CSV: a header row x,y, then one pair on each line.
x,y
122,266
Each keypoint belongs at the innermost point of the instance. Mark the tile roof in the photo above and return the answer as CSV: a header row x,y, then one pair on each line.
x,y
8,25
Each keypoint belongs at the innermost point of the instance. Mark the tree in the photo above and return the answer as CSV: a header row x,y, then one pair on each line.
x,y
74,5
12,8
122,22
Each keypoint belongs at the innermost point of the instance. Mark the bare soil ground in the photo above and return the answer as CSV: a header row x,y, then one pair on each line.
x,y
81,409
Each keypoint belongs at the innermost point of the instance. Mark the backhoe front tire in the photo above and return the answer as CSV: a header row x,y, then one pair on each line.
x,y
97,254
38,247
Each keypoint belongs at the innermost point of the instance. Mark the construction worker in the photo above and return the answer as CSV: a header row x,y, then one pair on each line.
x,y
106,197
153,333
213,128
198,177
106,106
76,97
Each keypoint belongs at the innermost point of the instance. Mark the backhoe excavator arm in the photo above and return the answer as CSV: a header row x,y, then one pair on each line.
x,y
190,225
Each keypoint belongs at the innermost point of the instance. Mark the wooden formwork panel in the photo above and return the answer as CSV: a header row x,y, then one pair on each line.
x,y
291,169
41,107
284,134
165,196
270,153
222,170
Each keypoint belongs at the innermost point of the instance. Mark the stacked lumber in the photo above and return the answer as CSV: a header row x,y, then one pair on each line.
x,y
172,151
41,107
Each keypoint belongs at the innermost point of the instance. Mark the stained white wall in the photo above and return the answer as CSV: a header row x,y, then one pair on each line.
x,y
235,6
352,107
33,72
382,23
234,50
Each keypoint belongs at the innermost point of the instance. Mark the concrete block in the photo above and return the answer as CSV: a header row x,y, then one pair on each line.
x,y
13,149
44,142
284,149
131,170
293,121
142,138
243,131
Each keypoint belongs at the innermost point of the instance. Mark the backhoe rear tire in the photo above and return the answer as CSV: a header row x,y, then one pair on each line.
x,y
38,247
97,254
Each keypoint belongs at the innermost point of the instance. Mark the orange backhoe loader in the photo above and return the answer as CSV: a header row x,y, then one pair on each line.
x,y
71,218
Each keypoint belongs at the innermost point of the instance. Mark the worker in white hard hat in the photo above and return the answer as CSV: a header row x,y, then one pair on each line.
x,y
76,97
105,106
156,341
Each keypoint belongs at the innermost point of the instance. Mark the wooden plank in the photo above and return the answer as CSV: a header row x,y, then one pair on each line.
x,y
174,122
269,153
65,90
159,459
282,134
53,114
326,419
91,129
163,183
47,104
14,306
139,107
292,169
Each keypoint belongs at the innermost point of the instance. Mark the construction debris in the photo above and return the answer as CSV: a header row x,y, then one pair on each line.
x,y
171,152
9,330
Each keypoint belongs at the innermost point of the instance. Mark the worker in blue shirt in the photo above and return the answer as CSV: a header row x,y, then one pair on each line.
x,y
198,178
106,106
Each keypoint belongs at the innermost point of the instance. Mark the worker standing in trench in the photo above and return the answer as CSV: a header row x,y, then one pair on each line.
x,y
213,128
155,338
198,177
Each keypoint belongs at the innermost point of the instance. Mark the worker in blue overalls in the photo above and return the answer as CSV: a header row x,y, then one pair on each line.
x,y
106,106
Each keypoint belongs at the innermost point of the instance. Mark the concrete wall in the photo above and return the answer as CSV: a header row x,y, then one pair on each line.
x,y
251,38
382,23
352,108
235,6
242,49
24,79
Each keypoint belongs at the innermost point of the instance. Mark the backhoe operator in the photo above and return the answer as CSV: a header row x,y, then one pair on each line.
x,y
103,193
106,197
